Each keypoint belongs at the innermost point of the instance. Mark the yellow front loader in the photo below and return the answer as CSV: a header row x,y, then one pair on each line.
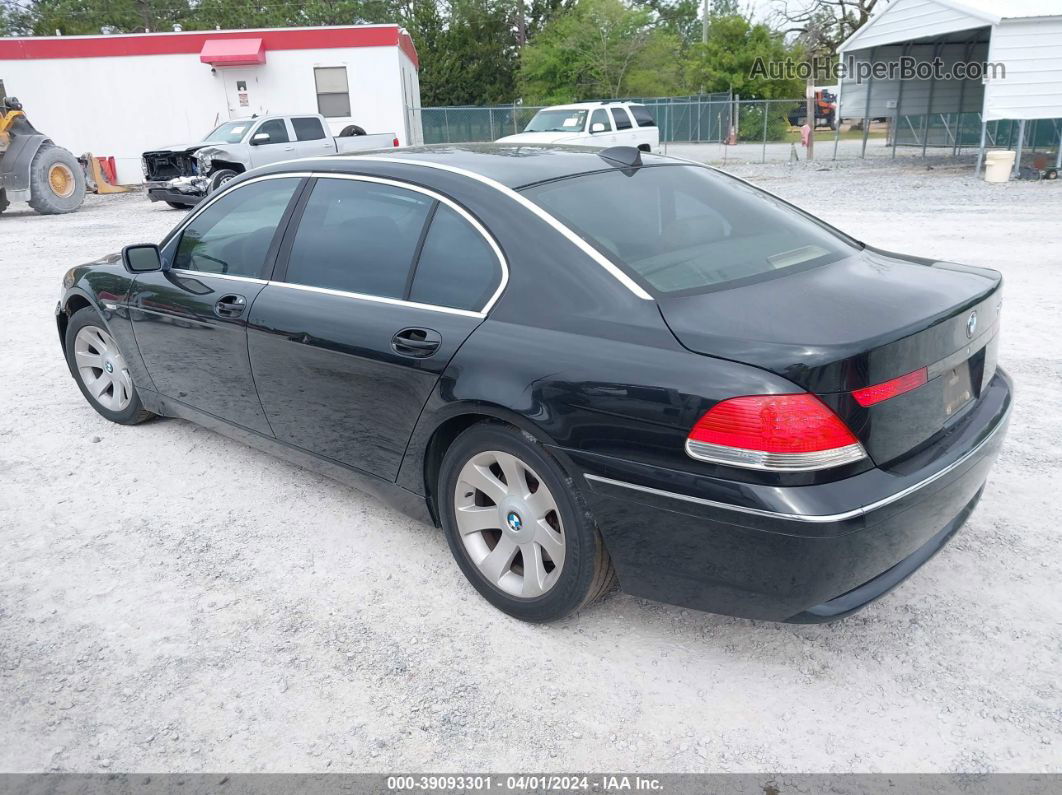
x,y
32,168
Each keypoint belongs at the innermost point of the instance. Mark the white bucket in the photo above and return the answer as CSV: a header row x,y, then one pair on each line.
x,y
998,165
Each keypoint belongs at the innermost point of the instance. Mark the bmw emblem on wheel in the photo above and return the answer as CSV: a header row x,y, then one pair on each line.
x,y
514,522
971,324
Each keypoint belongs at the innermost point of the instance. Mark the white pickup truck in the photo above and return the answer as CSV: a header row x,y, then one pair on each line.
x,y
591,124
182,175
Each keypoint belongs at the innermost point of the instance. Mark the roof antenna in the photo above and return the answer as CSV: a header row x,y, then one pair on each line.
x,y
626,156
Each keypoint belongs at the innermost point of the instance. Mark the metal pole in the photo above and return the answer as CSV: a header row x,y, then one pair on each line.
x,y
446,124
899,102
981,151
866,110
766,110
490,112
929,102
962,101
1021,141
1058,157
837,120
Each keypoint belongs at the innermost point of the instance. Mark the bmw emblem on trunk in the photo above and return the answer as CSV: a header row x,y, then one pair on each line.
x,y
514,522
971,324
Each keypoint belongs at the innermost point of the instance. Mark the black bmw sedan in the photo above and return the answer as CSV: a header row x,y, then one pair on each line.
x,y
585,366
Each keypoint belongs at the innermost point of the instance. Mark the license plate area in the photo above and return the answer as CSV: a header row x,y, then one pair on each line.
x,y
958,388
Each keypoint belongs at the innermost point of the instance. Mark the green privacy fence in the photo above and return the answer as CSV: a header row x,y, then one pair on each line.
x,y
958,130
700,118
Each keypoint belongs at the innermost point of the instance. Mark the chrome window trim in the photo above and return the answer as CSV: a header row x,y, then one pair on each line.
x,y
572,237
480,313
817,518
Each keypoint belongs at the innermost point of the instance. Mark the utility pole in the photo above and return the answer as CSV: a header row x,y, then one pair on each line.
x,y
810,111
704,25
521,24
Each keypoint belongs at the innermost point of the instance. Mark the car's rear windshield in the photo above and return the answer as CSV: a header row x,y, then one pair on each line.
x,y
687,228
231,132
558,120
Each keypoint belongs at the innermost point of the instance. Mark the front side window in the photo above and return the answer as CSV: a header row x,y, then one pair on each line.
x,y
457,267
275,129
686,228
333,95
557,120
623,121
307,128
232,236
600,117
358,237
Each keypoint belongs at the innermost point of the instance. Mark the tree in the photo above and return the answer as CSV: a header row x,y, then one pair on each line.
x,y
822,25
726,62
592,50
73,17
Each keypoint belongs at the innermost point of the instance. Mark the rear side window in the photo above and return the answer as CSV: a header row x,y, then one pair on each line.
x,y
358,237
623,121
232,236
600,117
685,228
642,116
308,128
457,267
278,131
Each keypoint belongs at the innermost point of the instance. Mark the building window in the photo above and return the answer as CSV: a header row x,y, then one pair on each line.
x,y
333,97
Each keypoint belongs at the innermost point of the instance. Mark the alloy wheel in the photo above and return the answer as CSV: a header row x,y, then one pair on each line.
x,y
102,368
509,524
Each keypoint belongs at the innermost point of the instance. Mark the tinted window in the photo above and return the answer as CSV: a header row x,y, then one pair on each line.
x,y
687,228
233,234
623,121
308,129
457,267
642,116
278,131
358,237
600,117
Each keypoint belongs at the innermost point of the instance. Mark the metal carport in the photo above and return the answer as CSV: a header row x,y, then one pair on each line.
x,y
1022,37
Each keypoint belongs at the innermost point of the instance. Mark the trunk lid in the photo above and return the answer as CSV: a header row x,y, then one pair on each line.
x,y
861,321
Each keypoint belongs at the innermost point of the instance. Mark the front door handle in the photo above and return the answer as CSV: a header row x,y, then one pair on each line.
x,y
231,305
416,342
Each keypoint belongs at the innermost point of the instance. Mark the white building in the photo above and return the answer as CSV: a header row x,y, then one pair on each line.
x,y
1023,37
121,95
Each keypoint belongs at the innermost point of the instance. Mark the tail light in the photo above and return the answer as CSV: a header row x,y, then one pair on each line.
x,y
870,395
783,433
394,143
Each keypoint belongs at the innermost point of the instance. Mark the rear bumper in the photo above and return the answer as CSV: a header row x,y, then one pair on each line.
x,y
802,554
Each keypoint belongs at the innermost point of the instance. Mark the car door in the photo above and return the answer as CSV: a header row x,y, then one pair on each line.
x,y
378,285
311,138
280,145
605,137
626,132
190,319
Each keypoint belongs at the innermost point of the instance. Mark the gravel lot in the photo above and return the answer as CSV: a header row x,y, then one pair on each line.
x,y
171,600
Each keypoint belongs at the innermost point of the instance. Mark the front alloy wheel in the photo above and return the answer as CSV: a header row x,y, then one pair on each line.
x,y
517,527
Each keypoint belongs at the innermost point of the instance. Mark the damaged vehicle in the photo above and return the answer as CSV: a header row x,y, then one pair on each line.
x,y
182,175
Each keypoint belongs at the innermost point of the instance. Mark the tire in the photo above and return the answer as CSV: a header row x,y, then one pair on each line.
x,y
351,130
87,322
177,206
219,178
57,183
585,570
4,203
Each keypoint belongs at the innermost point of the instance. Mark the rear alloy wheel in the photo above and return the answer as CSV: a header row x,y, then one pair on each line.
x,y
517,530
100,369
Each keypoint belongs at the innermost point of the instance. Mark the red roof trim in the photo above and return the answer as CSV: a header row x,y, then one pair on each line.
x,y
405,43
16,49
232,52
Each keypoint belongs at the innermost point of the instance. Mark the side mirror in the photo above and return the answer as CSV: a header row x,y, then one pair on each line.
x,y
259,138
597,127
142,258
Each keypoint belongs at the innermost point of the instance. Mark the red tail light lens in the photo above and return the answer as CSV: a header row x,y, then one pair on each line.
x,y
870,395
774,432
394,143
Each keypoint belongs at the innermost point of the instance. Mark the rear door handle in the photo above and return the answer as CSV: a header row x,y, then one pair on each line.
x,y
231,305
416,342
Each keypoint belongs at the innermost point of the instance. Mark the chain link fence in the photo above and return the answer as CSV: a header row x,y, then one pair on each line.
x,y
719,128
